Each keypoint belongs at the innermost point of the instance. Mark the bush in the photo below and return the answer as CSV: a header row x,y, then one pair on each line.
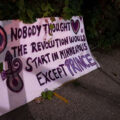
x,y
101,17
102,22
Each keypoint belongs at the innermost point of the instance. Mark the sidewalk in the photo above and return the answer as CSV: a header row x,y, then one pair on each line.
x,y
95,96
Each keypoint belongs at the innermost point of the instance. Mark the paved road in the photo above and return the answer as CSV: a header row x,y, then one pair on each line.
x,y
95,96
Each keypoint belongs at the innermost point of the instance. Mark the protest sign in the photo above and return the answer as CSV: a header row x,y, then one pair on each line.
x,y
41,55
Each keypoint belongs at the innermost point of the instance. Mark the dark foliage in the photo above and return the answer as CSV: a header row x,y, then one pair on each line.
x,y
101,17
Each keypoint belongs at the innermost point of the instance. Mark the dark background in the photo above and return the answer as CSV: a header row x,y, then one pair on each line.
x,y
101,17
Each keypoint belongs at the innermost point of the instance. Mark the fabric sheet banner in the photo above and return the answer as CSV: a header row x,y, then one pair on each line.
x,y
41,55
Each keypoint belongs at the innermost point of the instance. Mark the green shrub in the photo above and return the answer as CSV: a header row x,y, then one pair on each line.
x,y
102,21
101,17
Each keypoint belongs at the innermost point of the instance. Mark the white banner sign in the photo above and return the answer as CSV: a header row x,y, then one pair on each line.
x,y
41,55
